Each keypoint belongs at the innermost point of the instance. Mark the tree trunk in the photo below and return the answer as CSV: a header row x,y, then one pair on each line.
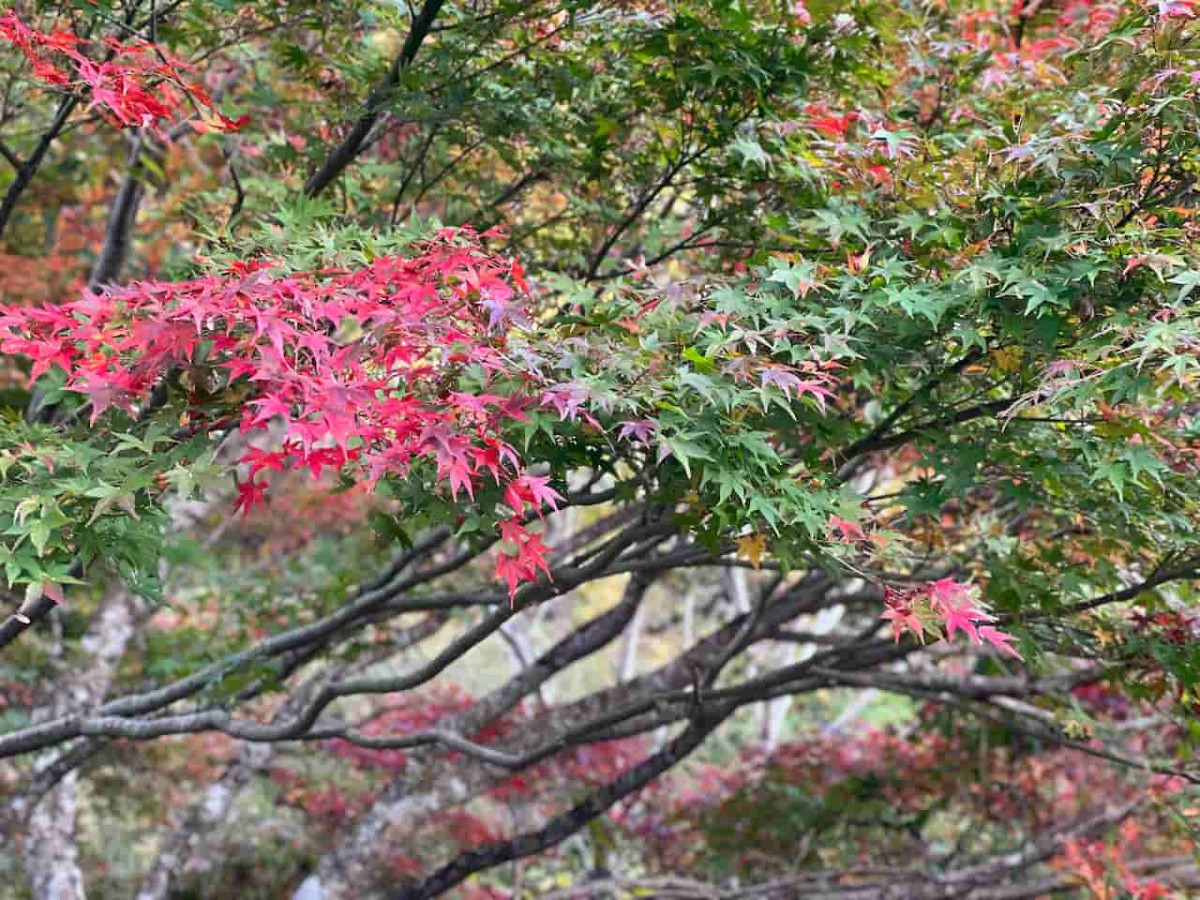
x,y
50,852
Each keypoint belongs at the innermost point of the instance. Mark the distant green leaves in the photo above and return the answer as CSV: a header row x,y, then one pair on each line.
x,y
1036,294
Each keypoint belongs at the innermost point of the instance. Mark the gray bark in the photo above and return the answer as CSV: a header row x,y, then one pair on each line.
x,y
50,851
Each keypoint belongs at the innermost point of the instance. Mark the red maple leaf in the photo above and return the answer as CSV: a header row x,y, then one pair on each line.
x,y
249,494
999,640
529,558
533,491
849,532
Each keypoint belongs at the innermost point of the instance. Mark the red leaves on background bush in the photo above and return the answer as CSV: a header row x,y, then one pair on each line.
x,y
745,812
1174,627
135,85
588,764
349,369
1103,867
403,714
1176,9
848,532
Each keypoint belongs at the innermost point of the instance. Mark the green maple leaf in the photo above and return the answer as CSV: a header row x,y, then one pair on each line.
x,y
1187,280
751,152
1115,472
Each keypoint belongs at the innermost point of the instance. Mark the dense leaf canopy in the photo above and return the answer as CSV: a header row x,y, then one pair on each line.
x,y
345,343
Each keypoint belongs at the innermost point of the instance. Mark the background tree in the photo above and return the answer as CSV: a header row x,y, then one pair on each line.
x,y
526,447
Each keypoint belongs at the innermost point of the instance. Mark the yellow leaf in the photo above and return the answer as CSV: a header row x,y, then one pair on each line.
x,y
1007,358
752,547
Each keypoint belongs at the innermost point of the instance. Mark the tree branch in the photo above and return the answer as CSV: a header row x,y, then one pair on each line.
x,y
566,824
346,152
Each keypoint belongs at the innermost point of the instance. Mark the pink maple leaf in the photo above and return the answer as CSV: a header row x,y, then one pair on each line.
x,y
945,592
531,490
640,430
998,639
903,617
965,618
849,532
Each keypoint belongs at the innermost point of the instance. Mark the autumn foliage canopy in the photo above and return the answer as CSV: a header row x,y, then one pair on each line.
x,y
686,447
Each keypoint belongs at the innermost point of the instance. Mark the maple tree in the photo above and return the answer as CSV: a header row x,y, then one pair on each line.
x,y
455,435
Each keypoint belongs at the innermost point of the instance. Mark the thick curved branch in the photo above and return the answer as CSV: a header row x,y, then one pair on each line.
x,y
114,719
211,810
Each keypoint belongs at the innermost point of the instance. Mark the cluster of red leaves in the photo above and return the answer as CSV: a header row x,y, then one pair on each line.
x,y
868,147
1170,626
591,765
303,511
466,829
411,849
944,604
329,807
62,269
135,84
405,714
1042,789
1103,698
750,802
15,694
671,818
335,368
829,124
1152,632
674,817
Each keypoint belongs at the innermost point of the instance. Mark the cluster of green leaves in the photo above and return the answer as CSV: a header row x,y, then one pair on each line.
x,y
67,500
1043,269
